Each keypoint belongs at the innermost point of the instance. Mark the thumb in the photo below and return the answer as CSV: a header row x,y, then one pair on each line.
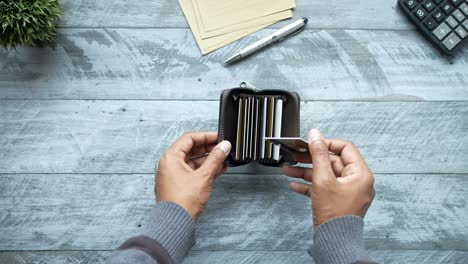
x,y
216,158
318,150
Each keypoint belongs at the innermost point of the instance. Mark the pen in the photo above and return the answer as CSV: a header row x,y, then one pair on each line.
x,y
286,31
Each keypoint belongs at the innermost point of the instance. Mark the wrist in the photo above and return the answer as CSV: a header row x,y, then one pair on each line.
x,y
189,207
344,233
171,226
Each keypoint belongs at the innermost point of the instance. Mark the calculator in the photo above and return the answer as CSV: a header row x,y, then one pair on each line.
x,y
444,22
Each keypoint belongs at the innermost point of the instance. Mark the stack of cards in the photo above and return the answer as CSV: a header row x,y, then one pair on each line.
x,y
259,116
216,23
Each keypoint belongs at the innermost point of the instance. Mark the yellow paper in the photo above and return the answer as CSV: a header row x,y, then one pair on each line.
x,y
211,44
247,24
216,14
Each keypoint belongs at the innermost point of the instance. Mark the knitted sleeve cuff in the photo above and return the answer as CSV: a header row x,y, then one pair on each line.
x,y
340,240
172,227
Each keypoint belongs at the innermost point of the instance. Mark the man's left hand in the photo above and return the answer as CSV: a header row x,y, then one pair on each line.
x,y
185,181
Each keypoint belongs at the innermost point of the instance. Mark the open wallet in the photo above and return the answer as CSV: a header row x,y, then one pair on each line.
x,y
247,116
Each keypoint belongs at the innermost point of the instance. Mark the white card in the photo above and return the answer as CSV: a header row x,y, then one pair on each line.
x,y
263,127
277,129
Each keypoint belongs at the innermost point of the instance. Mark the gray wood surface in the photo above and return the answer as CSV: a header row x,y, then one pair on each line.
x,y
376,14
129,136
82,124
246,212
166,64
238,257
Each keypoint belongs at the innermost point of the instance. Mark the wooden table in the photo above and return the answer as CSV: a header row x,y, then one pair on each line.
x,y
82,125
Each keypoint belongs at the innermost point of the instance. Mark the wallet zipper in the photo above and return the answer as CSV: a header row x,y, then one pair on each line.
x,y
248,86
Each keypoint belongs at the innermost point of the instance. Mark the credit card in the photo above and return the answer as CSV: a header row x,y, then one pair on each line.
x,y
263,127
271,111
277,126
239,138
294,144
257,117
244,128
247,131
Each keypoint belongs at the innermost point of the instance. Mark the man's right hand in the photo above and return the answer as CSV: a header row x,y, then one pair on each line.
x,y
342,184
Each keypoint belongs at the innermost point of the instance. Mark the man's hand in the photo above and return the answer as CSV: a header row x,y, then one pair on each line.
x,y
188,182
342,184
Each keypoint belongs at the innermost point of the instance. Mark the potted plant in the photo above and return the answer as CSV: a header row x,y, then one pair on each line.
x,y
27,22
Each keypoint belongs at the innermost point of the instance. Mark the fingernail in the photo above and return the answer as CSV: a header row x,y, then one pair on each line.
x,y
225,146
314,135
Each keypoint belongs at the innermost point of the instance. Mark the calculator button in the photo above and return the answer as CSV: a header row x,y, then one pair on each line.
x,y
456,2
451,21
410,4
420,13
461,32
429,5
447,8
430,23
458,15
439,15
451,41
464,8
465,24
441,31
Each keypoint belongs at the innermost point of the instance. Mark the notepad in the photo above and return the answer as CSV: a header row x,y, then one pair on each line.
x,y
208,45
216,14
215,24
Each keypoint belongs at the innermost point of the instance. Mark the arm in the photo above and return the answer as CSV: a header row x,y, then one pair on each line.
x,y
182,187
341,191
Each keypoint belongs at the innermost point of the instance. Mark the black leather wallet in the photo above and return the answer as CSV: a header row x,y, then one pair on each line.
x,y
247,116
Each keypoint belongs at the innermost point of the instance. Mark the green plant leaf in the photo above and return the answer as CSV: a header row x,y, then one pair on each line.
x,y
25,22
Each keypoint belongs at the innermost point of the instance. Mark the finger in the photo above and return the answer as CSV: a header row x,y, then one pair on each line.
x,y
221,170
200,150
296,172
346,149
300,188
337,165
216,158
318,149
184,144
302,157
198,161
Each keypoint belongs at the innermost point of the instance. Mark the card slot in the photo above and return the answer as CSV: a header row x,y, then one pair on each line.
x,y
271,110
249,150
258,116
249,128
263,127
254,126
277,126
244,134
239,138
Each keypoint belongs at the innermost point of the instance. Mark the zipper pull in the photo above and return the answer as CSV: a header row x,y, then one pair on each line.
x,y
248,85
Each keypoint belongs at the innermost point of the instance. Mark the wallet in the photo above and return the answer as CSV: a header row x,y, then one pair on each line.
x,y
247,116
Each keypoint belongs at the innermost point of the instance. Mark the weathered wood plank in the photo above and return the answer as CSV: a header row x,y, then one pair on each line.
x,y
166,64
238,257
246,212
377,14
41,136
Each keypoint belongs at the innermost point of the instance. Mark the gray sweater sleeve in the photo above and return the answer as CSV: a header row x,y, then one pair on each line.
x,y
166,238
340,240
